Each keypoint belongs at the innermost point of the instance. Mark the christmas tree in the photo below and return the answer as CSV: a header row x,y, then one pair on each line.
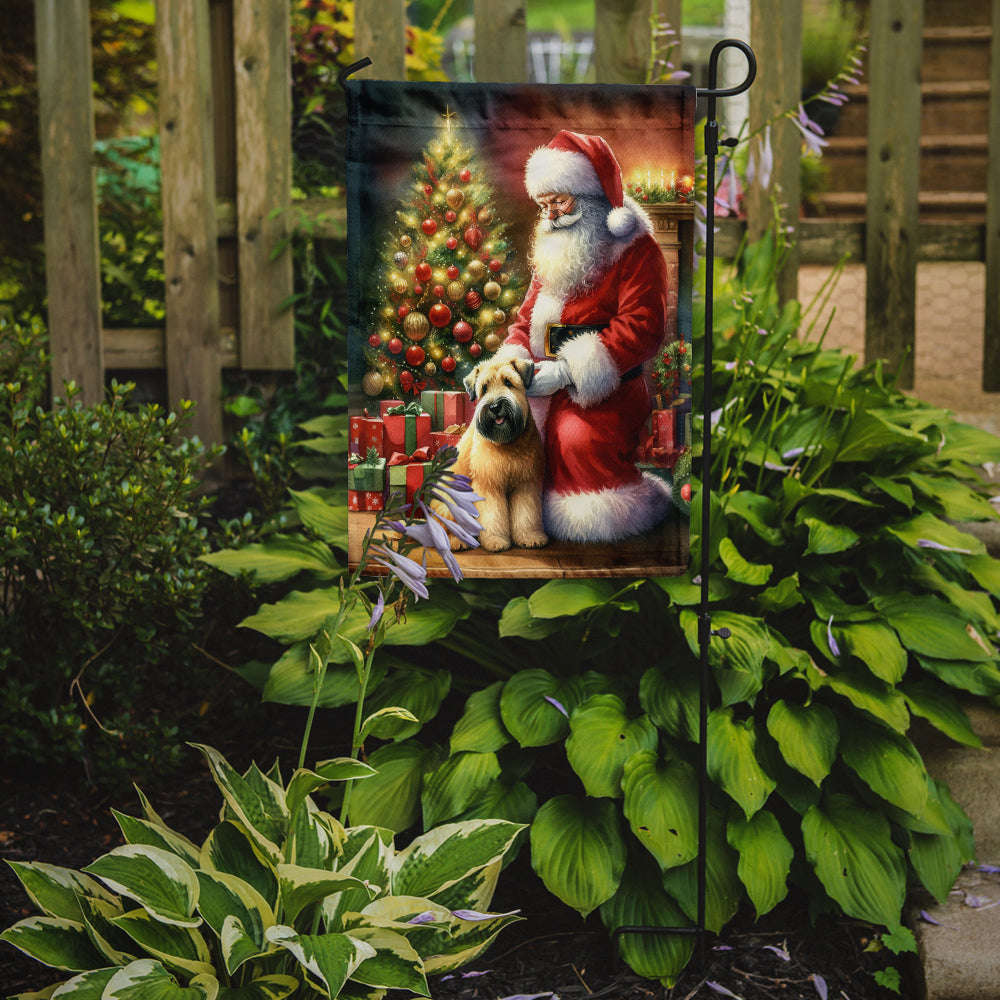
x,y
445,285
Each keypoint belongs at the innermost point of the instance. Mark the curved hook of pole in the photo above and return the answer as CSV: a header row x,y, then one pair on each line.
x,y
349,70
713,69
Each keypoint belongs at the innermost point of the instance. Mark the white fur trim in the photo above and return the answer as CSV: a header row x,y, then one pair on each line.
x,y
547,309
607,515
554,171
629,221
591,367
511,352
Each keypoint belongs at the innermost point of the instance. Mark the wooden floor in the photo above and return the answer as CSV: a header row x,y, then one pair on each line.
x,y
662,551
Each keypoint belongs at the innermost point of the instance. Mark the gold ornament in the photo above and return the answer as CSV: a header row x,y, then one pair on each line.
x,y
437,352
514,310
499,316
373,383
455,197
508,298
476,269
399,285
491,343
455,290
491,290
430,368
416,325
485,215
405,241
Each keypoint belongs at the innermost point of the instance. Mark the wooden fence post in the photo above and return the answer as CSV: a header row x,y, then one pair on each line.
x,y
991,332
261,58
72,254
621,40
501,41
893,183
380,34
190,250
776,35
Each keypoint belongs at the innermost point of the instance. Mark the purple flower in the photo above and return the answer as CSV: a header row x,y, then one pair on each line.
x,y
427,917
780,952
408,571
455,492
431,535
475,915
719,988
761,161
927,543
377,612
811,132
820,983
831,642
552,701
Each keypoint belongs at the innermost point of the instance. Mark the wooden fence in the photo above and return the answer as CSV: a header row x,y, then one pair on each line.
x,y
226,160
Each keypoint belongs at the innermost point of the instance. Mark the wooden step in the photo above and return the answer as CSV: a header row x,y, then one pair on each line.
x,y
956,53
956,206
941,13
947,162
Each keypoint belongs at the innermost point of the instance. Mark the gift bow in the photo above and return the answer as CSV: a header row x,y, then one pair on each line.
x,y
401,458
413,409
411,384
372,458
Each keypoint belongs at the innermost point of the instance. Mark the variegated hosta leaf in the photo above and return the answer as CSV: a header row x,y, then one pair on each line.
x,y
56,891
275,987
602,737
535,706
441,857
578,851
116,946
481,727
850,847
807,736
304,782
395,964
256,801
315,838
467,941
732,760
141,831
329,959
642,902
661,805
159,881
54,941
230,849
177,947
475,891
300,887
723,889
456,785
765,858
225,897
149,980
86,986
367,853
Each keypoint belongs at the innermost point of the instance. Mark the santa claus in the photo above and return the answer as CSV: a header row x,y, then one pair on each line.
x,y
594,312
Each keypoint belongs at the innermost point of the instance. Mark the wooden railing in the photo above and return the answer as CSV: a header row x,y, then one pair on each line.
x,y
226,160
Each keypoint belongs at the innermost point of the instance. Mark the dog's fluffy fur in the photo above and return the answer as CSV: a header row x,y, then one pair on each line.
x,y
501,452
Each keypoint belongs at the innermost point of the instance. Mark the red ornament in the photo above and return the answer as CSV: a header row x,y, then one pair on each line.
x,y
429,226
473,299
494,265
450,216
439,314
448,363
418,290
453,272
475,350
423,271
451,243
686,492
375,340
402,311
462,332
465,175
395,345
439,291
428,190
415,356
474,237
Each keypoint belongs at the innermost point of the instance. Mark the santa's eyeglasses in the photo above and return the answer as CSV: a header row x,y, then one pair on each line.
x,y
559,203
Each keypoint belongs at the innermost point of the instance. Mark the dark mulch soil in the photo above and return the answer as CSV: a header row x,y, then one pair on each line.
x,y
551,951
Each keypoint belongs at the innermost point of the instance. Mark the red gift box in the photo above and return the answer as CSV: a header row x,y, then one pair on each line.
x,y
450,436
406,432
385,404
663,424
365,432
406,472
446,408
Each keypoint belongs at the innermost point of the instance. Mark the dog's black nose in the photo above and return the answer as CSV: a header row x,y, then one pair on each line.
x,y
496,406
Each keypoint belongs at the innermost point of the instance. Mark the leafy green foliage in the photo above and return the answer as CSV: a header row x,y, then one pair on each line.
x,y
99,546
279,899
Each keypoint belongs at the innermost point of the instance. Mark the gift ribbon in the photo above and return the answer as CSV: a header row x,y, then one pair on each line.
x,y
411,384
420,455
413,409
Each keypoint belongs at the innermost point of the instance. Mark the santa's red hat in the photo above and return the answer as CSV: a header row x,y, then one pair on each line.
x,y
584,165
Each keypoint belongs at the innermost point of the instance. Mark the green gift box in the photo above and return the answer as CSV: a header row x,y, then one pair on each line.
x,y
366,476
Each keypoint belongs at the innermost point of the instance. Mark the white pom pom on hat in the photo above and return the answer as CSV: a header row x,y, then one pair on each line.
x,y
582,165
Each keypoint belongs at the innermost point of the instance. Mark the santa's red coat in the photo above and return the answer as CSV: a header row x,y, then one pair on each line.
x,y
593,490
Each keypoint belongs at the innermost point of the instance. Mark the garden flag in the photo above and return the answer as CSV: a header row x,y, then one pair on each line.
x,y
520,284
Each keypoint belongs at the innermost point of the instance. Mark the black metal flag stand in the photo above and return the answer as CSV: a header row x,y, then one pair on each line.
x,y
705,630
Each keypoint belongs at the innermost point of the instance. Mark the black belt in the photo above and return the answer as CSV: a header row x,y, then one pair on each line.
x,y
556,334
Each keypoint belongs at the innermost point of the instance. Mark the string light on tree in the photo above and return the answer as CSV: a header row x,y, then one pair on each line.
x,y
448,284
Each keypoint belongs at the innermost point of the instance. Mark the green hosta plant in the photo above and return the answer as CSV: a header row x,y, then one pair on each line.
x,y
279,900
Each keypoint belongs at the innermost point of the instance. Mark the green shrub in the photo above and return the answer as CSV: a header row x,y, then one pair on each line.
x,y
101,584
279,900
854,604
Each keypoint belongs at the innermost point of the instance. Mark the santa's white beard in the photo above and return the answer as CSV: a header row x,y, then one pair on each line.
x,y
570,252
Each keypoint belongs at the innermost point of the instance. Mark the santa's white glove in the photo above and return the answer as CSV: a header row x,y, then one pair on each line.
x,y
550,377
